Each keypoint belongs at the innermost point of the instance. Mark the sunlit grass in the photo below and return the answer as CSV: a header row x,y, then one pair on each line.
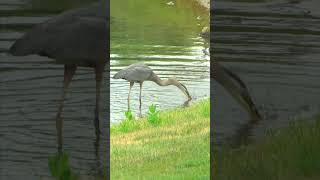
x,y
178,147
289,154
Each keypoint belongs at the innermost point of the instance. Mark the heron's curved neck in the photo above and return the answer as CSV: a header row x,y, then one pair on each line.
x,y
160,82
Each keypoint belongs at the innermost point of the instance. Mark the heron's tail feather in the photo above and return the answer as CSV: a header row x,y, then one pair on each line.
x,y
119,75
19,49
30,43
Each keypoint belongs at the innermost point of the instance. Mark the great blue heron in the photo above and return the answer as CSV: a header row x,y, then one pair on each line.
x,y
140,72
74,38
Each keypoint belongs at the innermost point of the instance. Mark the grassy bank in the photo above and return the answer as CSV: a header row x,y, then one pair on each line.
x,y
289,154
177,147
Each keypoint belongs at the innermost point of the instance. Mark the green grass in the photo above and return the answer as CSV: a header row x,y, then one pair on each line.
x,y
176,147
292,153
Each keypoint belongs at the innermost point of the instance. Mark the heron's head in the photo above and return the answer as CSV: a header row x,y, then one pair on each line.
x,y
181,86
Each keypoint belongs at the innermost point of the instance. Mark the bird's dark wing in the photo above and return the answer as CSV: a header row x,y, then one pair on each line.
x,y
76,35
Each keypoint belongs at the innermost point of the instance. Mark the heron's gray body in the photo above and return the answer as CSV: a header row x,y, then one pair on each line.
x,y
135,73
74,37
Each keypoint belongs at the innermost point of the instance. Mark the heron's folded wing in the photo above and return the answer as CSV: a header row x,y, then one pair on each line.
x,y
137,73
77,34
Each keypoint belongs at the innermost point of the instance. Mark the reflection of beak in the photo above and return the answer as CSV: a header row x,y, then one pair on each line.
x,y
185,91
236,87
255,115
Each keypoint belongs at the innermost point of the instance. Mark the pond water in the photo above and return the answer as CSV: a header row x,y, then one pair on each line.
x,y
274,46
166,37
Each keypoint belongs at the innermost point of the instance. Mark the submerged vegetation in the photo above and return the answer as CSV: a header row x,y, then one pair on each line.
x,y
166,145
59,167
292,153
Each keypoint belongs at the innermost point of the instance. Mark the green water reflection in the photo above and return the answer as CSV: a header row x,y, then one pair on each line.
x,y
165,35
138,23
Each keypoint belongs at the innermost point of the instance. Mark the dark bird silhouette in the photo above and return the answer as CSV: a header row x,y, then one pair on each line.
x,y
74,38
231,82
140,72
235,86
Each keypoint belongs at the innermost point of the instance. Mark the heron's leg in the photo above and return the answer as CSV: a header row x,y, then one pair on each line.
x,y
131,84
140,98
69,71
99,78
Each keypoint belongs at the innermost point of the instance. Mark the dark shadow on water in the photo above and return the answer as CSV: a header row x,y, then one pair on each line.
x,y
186,103
242,135
99,165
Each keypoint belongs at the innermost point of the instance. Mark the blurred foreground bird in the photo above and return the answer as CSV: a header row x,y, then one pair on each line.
x,y
74,38
231,82
238,90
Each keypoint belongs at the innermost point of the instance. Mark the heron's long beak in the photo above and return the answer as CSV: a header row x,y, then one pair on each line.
x,y
184,89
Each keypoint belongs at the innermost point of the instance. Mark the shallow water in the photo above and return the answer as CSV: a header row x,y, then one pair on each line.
x,y
165,37
274,47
